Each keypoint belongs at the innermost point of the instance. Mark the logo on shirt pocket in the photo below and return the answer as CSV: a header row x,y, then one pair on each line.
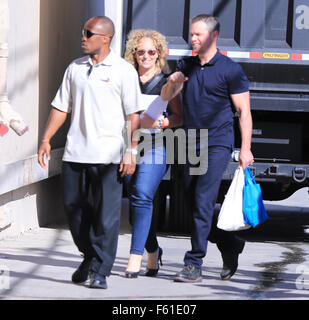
x,y
106,80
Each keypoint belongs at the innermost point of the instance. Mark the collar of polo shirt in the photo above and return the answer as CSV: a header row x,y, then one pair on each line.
x,y
108,61
211,62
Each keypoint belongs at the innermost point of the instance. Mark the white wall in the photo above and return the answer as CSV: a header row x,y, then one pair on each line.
x,y
114,10
44,38
23,86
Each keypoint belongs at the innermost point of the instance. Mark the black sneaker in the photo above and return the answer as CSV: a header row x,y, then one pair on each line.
x,y
230,261
81,274
189,274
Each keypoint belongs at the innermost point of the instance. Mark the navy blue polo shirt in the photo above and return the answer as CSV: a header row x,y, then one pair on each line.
x,y
206,96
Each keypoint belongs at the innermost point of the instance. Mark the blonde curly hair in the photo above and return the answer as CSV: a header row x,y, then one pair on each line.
x,y
159,40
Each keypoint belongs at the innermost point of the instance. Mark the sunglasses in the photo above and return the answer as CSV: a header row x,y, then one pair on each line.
x,y
142,52
88,34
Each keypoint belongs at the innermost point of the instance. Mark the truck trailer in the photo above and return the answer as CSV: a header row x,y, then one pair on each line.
x,y
270,40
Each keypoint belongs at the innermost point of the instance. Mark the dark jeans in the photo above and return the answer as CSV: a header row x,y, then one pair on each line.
x,y
201,193
92,201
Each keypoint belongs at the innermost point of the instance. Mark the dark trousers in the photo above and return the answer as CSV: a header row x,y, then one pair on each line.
x,y
92,201
201,194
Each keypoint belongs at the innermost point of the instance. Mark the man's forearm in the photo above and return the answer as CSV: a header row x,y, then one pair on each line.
x,y
170,90
173,85
245,124
134,125
55,121
242,104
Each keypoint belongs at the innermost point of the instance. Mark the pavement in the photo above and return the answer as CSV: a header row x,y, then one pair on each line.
x,y
38,266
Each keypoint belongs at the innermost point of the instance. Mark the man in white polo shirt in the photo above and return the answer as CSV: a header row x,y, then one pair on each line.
x,y
101,91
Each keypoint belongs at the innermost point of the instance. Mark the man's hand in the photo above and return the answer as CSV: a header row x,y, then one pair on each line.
x,y
44,150
173,85
177,78
241,102
245,158
55,121
128,164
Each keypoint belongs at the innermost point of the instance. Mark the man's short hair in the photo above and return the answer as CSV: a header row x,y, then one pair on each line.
x,y
106,24
212,22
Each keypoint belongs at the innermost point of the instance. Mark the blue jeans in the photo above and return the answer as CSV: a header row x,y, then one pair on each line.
x,y
142,186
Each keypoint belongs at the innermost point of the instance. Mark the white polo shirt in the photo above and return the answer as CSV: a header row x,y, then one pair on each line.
x,y
99,98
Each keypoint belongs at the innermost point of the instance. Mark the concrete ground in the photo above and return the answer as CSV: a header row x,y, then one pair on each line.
x,y
39,264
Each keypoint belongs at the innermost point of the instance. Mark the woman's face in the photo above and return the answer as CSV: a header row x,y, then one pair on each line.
x,y
146,54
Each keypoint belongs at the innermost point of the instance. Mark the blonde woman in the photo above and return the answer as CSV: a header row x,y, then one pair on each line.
x,y
146,51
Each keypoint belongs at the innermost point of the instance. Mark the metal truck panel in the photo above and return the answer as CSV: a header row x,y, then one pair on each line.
x,y
252,31
270,39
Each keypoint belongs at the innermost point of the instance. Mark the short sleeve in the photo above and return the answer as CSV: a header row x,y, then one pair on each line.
x,y
63,98
237,80
131,92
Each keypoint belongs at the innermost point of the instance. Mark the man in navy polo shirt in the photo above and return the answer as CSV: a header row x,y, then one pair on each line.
x,y
212,85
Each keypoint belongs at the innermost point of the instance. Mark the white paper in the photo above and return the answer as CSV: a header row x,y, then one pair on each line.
x,y
154,105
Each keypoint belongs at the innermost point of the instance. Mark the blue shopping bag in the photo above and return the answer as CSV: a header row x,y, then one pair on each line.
x,y
253,206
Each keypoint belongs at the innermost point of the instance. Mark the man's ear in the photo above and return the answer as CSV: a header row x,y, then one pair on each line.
x,y
215,35
106,40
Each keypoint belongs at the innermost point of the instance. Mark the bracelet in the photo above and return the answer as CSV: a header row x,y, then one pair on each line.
x,y
133,151
45,140
161,124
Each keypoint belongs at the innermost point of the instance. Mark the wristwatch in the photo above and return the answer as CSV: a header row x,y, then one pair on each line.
x,y
133,151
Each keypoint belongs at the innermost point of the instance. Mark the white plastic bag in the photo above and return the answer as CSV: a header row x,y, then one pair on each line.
x,y
231,216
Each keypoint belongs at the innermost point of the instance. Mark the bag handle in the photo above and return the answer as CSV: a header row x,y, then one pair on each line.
x,y
249,176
